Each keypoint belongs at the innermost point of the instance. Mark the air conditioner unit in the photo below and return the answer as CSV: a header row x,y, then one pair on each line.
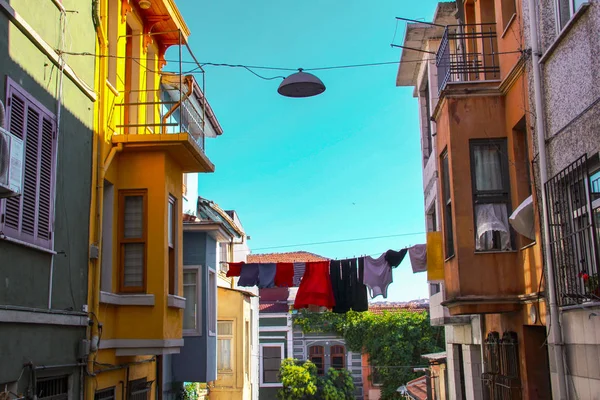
x,y
11,164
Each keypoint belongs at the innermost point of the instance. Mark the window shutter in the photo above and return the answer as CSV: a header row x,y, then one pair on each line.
x,y
29,217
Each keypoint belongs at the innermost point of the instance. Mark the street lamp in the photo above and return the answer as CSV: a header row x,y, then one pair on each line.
x,y
301,84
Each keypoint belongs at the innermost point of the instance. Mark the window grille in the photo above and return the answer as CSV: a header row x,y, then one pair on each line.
x,y
53,388
573,211
139,389
501,379
105,394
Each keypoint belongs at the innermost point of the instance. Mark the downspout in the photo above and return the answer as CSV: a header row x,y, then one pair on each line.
x,y
190,83
96,202
541,139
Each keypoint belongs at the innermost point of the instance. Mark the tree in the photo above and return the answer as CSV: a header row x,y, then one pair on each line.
x,y
300,382
394,341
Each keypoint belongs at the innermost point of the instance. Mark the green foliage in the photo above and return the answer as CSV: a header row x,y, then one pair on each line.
x,y
393,341
300,382
190,390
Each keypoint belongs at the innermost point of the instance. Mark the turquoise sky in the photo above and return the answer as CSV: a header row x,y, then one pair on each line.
x,y
342,165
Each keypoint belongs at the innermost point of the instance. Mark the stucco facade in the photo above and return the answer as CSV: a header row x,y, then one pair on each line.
x,y
43,269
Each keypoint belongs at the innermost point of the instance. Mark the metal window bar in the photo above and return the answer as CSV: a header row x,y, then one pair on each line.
x,y
189,117
467,53
53,388
105,394
573,235
139,389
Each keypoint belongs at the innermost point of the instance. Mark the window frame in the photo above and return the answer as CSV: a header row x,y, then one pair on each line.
x,y
572,11
13,89
212,302
332,355
492,196
281,346
61,379
122,240
231,338
449,250
199,314
105,390
172,243
321,355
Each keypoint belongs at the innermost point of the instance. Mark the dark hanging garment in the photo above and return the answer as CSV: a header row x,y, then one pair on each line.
x,y
341,284
394,258
360,300
249,275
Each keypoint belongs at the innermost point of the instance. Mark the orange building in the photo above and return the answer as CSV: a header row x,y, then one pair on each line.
x,y
469,75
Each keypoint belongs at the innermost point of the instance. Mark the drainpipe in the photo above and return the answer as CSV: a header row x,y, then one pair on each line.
x,y
541,138
2,114
190,83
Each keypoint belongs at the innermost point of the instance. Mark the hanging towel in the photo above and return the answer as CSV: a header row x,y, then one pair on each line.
x,y
339,272
418,257
360,301
235,269
394,258
284,277
315,287
266,275
435,257
378,275
248,275
299,268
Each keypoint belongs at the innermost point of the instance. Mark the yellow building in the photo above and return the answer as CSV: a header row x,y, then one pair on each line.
x,y
140,156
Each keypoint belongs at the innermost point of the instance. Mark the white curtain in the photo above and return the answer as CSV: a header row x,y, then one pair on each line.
x,y
488,167
490,218
224,355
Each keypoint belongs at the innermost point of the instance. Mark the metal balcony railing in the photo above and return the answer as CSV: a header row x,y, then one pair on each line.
x,y
573,216
467,53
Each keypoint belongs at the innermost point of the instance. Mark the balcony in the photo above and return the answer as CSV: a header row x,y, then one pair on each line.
x,y
574,219
467,53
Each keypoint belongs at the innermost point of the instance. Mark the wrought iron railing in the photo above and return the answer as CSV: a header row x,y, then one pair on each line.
x,y
573,212
467,53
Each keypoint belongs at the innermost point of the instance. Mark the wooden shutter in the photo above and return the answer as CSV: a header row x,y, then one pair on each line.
x,y
29,217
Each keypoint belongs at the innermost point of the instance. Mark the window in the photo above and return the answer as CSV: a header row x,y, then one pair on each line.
x,y
434,288
317,356
248,347
28,217
192,321
212,303
172,241
132,239
491,194
427,120
225,346
448,229
271,356
565,10
509,8
338,357
105,394
376,377
113,41
53,388
223,257
139,389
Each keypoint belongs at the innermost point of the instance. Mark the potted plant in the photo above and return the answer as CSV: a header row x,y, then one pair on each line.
x,y
591,282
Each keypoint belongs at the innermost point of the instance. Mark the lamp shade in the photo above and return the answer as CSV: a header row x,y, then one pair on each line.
x,y
301,84
145,4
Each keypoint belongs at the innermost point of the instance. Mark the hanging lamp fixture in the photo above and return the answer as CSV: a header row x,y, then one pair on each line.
x,y
145,4
301,84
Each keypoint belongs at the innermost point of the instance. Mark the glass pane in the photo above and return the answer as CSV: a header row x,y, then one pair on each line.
x,y
337,362
224,354
191,300
170,223
488,167
225,328
133,264
212,296
133,217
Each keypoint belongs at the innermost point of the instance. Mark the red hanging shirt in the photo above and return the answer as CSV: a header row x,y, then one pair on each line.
x,y
235,269
284,277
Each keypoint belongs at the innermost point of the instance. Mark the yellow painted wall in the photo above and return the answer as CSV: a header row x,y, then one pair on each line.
x,y
234,306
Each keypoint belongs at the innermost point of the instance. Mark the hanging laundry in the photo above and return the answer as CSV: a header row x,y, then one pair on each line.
x,y
299,268
266,275
339,272
360,301
418,257
234,269
284,277
249,275
394,258
315,287
378,275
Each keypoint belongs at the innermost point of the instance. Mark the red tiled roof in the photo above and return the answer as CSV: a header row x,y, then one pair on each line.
x,y
273,307
292,256
391,307
417,388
